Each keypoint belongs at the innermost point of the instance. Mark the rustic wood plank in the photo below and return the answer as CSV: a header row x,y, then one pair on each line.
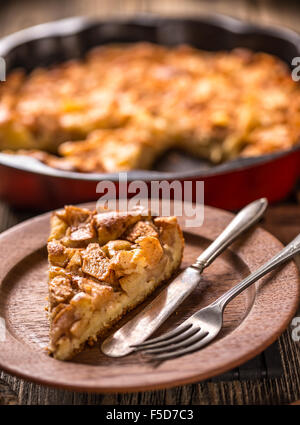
x,y
7,396
17,15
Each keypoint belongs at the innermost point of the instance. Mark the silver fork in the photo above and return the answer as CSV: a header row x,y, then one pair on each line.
x,y
203,326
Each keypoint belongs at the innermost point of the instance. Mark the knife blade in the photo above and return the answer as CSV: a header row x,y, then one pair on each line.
x,y
140,327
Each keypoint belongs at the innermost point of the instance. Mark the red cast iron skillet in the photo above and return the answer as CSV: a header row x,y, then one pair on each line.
x,y
27,183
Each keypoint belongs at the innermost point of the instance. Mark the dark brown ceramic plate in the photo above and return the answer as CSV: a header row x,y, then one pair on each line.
x,y
252,321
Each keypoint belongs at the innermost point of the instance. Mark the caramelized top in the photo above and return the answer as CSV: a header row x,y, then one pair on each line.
x,y
127,104
87,250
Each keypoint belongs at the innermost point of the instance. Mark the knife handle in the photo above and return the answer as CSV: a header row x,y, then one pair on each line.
x,y
244,219
147,321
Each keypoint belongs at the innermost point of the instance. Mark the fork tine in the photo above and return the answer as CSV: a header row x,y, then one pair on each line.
x,y
164,337
170,347
184,351
186,334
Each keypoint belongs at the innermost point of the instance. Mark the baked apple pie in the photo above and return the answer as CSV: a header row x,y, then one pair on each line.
x,y
102,265
123,106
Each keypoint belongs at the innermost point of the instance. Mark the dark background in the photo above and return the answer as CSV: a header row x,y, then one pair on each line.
x,y
18,14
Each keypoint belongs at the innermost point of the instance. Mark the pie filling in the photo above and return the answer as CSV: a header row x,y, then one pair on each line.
x,y
102,265
122,106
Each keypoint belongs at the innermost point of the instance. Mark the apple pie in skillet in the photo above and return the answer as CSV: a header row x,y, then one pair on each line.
x,y
123,106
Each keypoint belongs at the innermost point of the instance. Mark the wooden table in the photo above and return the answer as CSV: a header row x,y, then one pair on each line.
x,y
283,220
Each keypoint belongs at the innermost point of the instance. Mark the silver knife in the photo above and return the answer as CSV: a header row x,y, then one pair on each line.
x,y
148,320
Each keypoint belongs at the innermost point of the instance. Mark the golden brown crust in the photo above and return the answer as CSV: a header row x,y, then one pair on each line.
x,y
105,273
123,106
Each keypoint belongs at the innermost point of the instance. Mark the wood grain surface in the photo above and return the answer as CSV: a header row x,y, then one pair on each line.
x,y
282,220
252,320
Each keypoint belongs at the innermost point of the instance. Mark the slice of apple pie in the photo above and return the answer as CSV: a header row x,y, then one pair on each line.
x,y
102,265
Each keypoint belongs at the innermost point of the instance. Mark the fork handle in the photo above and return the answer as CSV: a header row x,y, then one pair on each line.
x,y
244,219
284,255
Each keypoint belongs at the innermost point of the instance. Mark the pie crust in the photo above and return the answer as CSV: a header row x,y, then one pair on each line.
x,y
102,265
